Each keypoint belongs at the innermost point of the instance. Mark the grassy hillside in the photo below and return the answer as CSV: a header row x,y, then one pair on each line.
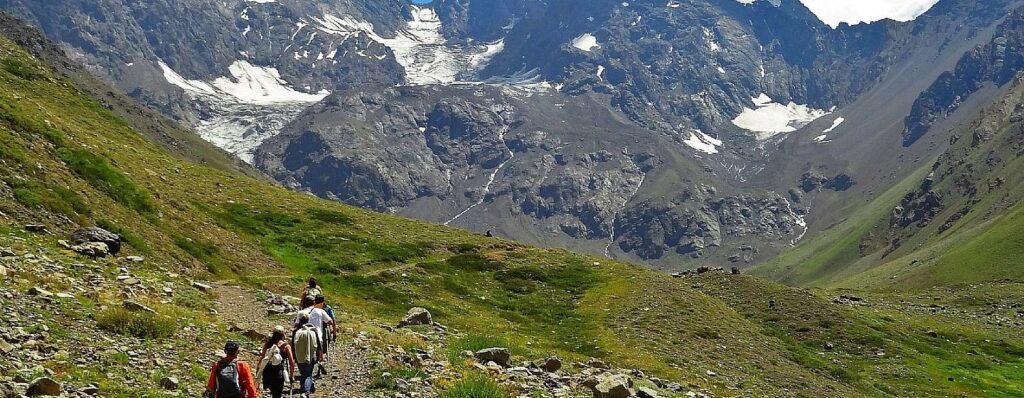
x,y
970,235
67,162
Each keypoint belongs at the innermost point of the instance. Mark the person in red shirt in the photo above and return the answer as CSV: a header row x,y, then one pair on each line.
x,y
231,377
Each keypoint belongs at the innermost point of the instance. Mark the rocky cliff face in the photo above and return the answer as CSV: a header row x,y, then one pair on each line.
x,y
997,62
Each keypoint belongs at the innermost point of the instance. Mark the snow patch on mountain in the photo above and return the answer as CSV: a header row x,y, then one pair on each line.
x,y
253,84
835,123
768,118
703,142
586,42
243,110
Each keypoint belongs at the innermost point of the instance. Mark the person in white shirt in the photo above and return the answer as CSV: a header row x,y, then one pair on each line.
x,y
318,318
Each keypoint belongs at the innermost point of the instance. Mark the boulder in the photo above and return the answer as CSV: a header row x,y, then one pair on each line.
x,y
416,316
5,252
169,383
202,287
498,355
44,386
98,235
614,386
92,249
550,364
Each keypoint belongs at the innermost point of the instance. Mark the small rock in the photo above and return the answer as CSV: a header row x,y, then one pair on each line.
x,y
38,291
933,333
255,336
416,316
5,252
169,383
5,348
644,392
498,355
92,249
829,346
202,287
136,307
135,259
614,386
598,364
36,228
91,390
44,386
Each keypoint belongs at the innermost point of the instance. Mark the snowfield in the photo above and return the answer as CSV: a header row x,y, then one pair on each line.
x,y
768,118
703,142
586,42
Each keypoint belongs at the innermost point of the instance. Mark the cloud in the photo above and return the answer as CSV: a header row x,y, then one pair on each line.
x,y
832,12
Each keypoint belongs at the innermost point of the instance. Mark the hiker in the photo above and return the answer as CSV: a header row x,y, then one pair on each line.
x,y
320,320
329,335
307,350
272,370
231,377
311,290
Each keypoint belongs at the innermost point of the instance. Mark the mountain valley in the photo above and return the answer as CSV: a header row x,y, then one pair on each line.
x,y
688,198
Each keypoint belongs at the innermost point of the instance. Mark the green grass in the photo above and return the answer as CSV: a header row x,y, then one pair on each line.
x,y
104,177
476,385
143,325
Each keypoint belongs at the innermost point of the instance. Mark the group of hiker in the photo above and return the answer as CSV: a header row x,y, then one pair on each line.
x,y
279,359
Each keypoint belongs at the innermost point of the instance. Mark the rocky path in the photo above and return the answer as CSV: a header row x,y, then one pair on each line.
x,y
348,371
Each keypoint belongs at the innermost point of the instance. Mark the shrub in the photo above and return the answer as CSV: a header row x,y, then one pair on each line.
x,y
139,324
472,262
100,174
329,216
22,69
476,386
57,199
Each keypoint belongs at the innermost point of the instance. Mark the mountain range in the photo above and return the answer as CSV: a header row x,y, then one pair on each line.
x,y
677,134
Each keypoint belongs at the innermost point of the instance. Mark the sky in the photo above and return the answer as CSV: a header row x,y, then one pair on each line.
x,y
833,12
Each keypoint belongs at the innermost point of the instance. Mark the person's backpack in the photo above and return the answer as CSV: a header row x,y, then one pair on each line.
x,y
228,385
275,368
314,291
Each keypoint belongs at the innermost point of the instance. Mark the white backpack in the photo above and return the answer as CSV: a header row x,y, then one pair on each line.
x,y
273,356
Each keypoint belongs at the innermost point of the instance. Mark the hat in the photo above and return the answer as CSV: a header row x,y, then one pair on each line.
x,y
278,329
231,347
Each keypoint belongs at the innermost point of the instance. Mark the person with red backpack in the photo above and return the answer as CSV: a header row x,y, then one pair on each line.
x,y
231,377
